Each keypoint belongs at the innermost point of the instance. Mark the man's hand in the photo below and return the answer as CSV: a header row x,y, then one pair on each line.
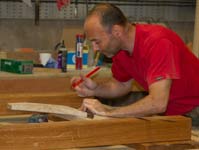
x,y
95,107
86,88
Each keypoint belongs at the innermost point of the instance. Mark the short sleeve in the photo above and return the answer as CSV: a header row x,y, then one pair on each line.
x,y
163,60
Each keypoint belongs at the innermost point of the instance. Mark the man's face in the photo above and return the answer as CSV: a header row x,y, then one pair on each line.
x,y
101,39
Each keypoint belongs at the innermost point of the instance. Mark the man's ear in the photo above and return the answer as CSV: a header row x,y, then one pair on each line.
x,y
116,30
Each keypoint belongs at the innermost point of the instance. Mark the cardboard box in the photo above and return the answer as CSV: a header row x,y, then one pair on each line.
x,y
16,66
71,60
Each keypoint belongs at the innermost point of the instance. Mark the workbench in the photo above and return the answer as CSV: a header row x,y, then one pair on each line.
x,y
50,86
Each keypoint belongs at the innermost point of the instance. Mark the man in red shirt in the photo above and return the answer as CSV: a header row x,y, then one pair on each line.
x,y
152,55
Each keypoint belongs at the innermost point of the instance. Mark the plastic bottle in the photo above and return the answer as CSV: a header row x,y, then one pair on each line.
x,y
59,59
64,57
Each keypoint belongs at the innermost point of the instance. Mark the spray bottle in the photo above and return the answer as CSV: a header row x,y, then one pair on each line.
x,y
62,56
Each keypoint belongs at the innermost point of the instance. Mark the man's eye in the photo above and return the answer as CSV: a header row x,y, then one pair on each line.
x,y
97,42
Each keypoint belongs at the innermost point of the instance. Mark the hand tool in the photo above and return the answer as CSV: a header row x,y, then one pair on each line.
x,y
38,118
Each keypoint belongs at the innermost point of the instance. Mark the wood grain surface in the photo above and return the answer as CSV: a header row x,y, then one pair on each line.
x,y
70,134
49,108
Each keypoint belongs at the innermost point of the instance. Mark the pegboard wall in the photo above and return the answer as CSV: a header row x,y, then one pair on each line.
x,y
19,10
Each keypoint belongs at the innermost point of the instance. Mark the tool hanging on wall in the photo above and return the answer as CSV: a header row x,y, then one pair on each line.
x,y
76,9
62,3
37,10
86,7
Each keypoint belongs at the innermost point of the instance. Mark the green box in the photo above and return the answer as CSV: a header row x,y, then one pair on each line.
x,y
17,66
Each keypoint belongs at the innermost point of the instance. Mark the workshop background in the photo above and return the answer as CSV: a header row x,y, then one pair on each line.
x,y
38,107
40,25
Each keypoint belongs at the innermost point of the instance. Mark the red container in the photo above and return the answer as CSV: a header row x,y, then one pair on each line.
x,y
79,51
78,63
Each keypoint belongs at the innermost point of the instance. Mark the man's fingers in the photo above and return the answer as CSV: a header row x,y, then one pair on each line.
x,y
80,91
93,106
82,107
89,108
74,79
90,104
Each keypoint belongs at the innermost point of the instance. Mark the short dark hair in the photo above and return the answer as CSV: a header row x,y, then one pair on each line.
x,y
109,15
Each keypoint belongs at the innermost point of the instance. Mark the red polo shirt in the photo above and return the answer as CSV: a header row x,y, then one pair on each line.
x,y
158,54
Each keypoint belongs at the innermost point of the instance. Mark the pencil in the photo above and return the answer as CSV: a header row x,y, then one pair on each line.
x,y
88,75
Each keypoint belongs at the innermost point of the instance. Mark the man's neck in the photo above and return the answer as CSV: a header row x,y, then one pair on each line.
x,y
129,38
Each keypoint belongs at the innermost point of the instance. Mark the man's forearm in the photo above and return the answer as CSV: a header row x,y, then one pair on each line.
x,y
154,103
143,107
111,90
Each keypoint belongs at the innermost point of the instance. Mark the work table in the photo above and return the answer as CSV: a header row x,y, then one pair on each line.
x,y
53,87
42,80
49,80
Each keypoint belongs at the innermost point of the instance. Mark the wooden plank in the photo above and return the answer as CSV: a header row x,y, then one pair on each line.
x,y
15,118
173,145
38,82
70,134
70,117
25,118
49,80
35,85
65,98
67,111
44,79
61,111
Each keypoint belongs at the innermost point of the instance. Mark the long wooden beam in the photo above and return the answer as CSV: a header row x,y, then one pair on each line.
x,y
35,85
43,80
69,134
172,145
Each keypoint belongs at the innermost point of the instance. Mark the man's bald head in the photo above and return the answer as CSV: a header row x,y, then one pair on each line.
x,y
109,15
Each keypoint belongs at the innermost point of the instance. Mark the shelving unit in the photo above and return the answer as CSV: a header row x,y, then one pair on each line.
x,y
136,10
